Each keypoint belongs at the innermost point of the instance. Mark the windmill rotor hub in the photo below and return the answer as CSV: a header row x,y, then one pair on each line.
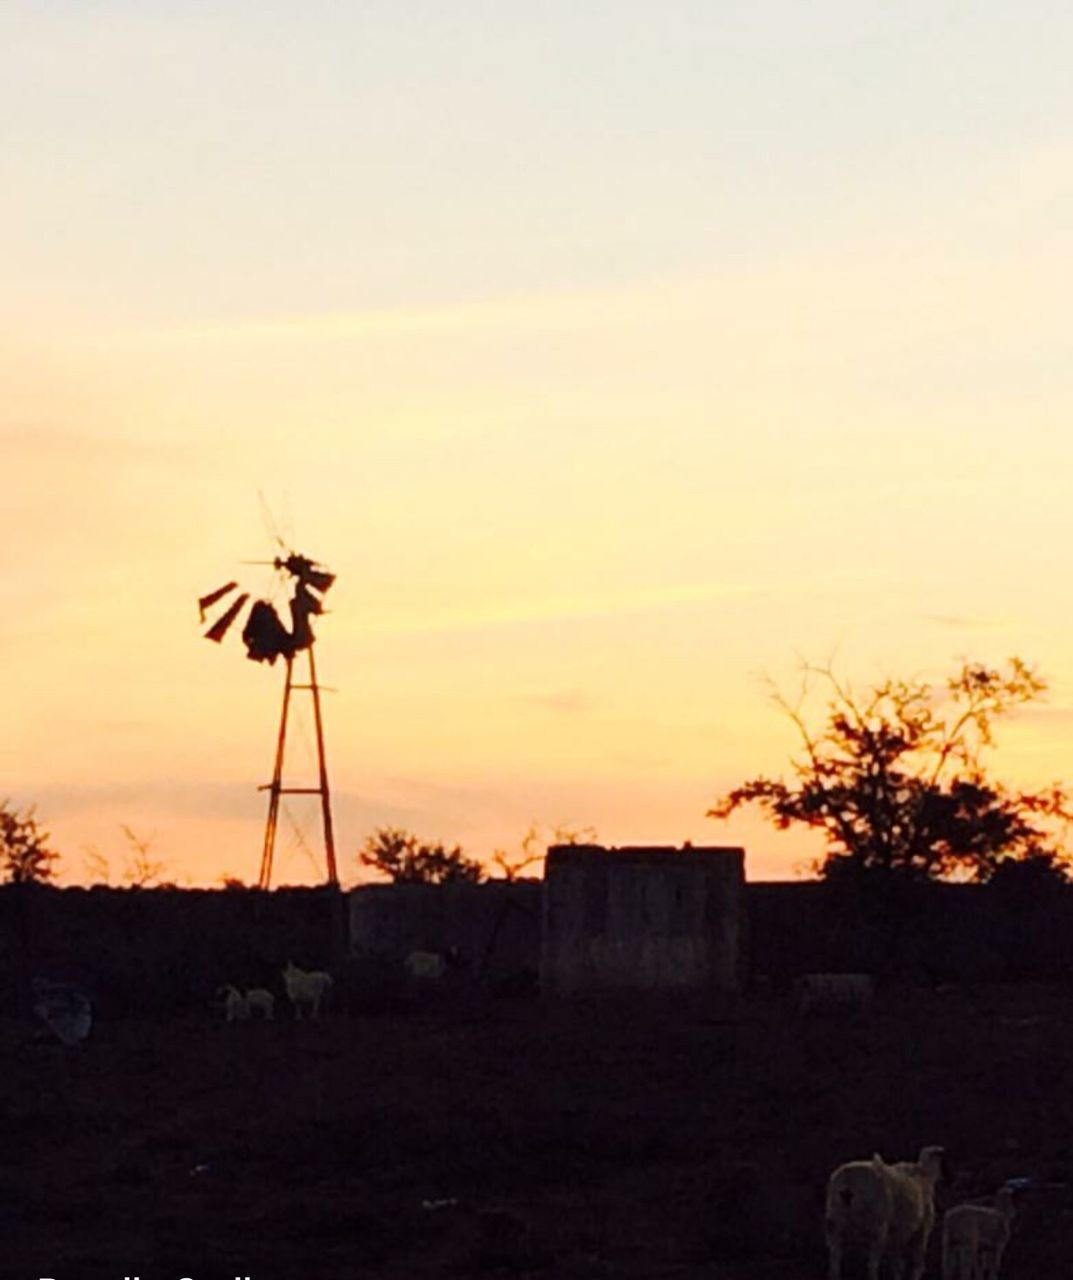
x,y
265,635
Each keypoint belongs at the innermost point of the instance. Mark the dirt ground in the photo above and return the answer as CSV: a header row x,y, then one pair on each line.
x,y
471,1137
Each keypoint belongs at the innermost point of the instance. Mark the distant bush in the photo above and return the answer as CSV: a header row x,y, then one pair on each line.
x,y
405,859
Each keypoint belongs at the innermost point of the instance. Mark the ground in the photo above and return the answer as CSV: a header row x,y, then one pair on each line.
x,y
467,1136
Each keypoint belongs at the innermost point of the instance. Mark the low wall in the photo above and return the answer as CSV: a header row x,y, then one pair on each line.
x,y
168,950
161,949
495,926
924,932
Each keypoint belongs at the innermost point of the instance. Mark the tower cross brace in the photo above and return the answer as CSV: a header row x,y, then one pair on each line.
x,y
276,788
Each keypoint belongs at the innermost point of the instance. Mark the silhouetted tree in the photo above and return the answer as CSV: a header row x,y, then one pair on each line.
x,y
408,860
142,869
24,853
534,845
1030,876
98,868
894,778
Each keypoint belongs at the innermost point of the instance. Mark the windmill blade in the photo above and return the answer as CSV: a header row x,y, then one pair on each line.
x,y
219,628
206,602
267,519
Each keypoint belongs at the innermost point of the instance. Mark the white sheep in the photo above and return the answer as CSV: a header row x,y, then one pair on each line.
x,y
260,1001
860,1200
820,992
914,1209
974,1237
234,1004
305,990
886,1211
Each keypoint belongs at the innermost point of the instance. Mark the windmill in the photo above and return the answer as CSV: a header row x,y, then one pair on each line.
x,y
267,638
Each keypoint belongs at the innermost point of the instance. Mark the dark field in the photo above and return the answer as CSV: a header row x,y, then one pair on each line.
x,y
586,1141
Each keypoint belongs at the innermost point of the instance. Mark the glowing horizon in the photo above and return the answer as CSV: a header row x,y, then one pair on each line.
x,y
611,358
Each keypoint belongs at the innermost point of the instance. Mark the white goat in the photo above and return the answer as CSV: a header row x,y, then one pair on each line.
x,y
234,1004
820,992
974,1238
884,1210
305,990
261,1001
424,965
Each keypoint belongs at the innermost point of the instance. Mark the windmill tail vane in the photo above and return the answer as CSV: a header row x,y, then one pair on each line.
x,y
307,572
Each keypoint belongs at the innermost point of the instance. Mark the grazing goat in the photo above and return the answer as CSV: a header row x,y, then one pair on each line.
x,y
884,1210
974,1238
826,992
260,1001
305,990
234,1004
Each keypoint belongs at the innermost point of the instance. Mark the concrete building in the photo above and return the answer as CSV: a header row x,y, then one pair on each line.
x,y
642,919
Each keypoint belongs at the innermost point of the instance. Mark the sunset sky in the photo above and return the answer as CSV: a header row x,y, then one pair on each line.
x,y
612,353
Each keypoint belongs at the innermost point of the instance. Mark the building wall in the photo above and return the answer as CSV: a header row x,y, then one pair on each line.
x,y
642,919
494,926
914,933
162,950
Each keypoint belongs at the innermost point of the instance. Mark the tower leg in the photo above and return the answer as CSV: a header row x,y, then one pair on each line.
x,y
276,785
325,798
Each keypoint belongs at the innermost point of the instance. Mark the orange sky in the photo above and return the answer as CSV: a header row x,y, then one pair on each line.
x,y
612,359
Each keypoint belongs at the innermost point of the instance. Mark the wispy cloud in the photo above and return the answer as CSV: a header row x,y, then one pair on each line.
x,y
556,608
1056,717
570,702
169,797
55,445
471,314
957,622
